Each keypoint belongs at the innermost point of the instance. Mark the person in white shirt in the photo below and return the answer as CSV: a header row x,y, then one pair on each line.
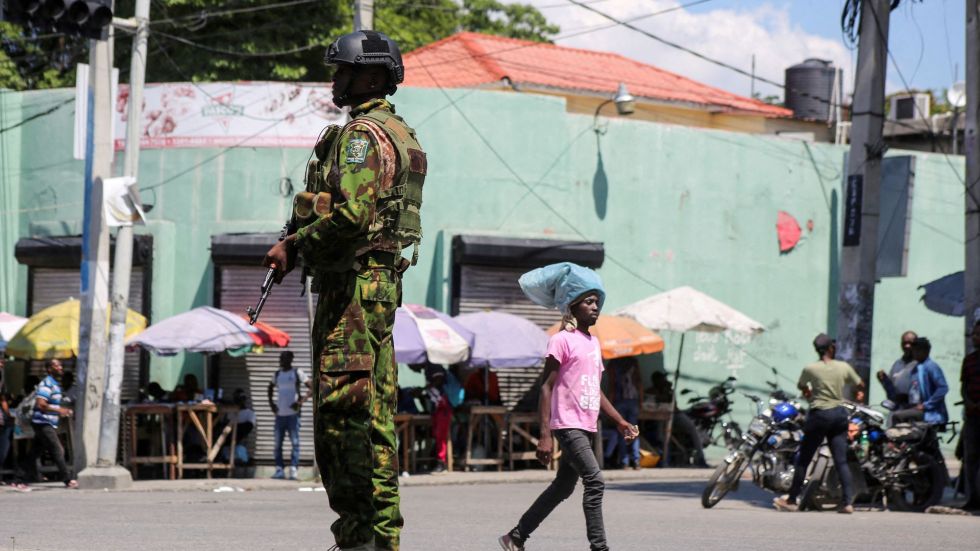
x,y
288,401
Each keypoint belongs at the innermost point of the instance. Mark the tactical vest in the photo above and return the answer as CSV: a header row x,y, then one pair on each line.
x,y
397,221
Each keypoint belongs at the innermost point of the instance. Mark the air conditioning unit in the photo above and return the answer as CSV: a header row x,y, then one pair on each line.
x,y
909,107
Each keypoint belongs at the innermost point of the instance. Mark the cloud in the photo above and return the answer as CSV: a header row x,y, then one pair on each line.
x,y
730,35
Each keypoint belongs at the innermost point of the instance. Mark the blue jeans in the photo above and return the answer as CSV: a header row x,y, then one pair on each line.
x,y
630,410
290,424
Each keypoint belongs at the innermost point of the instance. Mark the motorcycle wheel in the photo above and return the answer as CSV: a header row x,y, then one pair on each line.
x,y
816,494
920,490
724,479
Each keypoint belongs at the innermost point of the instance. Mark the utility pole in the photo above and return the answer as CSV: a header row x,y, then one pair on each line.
x,y
363,15
95,264
971,147
860,235
123,259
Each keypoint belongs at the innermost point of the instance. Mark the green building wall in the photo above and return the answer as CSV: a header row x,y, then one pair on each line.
x,y
673,205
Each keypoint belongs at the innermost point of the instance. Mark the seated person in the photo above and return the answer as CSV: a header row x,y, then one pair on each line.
x,y
683,429
245,423
188,391
154,394
475,392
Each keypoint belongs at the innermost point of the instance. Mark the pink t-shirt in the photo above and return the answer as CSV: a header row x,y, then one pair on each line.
x,y
576,396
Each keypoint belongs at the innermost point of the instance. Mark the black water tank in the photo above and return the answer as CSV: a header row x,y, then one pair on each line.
x,y
809,87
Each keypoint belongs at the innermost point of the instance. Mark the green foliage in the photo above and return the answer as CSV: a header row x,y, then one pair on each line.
x,y
233,46
31,60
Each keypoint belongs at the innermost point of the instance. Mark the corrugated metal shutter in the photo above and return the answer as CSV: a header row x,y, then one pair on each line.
x,y
482,288
286,310
50,286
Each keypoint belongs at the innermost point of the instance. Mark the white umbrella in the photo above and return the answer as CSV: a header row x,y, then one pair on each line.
x,y
9,326
686,309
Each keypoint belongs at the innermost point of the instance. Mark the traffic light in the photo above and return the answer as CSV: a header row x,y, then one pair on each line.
x,y
72,17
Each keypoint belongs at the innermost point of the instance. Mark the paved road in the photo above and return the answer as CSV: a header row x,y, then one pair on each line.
x,y
640,515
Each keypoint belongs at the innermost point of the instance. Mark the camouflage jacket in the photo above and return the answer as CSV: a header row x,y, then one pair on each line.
x,y
363,165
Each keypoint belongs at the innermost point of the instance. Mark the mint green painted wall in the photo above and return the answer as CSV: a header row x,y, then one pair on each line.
x,y
673,205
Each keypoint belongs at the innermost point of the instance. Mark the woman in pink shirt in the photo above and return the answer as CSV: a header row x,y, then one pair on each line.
x,y
569,407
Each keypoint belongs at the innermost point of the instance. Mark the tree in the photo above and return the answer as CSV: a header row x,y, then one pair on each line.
x,y
210,40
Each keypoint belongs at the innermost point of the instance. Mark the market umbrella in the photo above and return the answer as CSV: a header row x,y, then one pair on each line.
x,y
268,335
53,332
945,295
504,340
422,334
9,326
203,329
685,309
620,337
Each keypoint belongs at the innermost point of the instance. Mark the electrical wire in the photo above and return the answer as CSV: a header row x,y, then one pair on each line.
x,y
232,53
36,116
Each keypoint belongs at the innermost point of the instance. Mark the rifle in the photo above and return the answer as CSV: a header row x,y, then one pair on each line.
x,y
266,288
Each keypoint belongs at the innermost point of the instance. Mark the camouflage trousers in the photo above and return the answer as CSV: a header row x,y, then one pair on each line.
x,y
356,392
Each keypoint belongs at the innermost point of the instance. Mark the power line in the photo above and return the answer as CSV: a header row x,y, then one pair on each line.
x,y
36,116
234,53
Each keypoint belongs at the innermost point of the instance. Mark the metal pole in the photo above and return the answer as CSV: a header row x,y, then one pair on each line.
x,y
123,260
90,366
860,236
363,15
971,148
673,405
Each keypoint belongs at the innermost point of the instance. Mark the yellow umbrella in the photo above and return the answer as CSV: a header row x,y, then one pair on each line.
x,y
53,332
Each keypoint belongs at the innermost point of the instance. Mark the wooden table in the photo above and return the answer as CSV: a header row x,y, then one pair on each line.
x,y
523,423
478,415
203,418
406,427
168,457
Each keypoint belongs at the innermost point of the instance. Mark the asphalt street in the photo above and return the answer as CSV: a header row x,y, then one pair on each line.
x,y
639,515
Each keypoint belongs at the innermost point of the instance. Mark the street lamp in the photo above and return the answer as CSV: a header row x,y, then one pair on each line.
x,y
625,105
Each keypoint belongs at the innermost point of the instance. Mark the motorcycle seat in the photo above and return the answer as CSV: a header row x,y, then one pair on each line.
x,y
907,432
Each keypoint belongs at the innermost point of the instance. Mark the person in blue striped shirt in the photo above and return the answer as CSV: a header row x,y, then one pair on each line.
x,y
48,411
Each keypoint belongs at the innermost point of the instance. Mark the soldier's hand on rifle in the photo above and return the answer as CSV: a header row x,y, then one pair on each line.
x,y
282,256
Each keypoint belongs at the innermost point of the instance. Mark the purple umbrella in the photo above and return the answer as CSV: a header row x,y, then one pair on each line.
x,y
203,329
504,340
422,334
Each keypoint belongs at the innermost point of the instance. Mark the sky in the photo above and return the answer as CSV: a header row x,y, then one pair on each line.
x,y
926,38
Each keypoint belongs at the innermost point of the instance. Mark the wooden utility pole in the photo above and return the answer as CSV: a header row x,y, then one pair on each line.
x,y
971,148
861,197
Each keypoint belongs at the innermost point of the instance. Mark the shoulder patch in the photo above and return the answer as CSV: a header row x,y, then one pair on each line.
x,y
357,150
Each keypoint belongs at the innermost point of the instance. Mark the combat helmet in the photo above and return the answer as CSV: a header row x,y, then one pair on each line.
x,y
362,48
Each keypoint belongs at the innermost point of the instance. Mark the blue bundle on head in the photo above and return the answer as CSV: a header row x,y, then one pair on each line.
x,y
558,285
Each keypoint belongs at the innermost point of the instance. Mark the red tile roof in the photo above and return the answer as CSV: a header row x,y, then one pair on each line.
x,y
467,60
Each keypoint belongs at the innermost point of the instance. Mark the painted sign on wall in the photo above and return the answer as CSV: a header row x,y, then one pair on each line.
x,y
229,114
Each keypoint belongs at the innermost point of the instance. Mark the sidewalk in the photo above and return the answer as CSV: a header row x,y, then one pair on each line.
x,y
448,479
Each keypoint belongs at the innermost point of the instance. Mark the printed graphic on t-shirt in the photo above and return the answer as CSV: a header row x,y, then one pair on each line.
x,y
589,397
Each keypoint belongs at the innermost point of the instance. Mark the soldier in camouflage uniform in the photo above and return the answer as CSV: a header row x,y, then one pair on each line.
x,y
359,211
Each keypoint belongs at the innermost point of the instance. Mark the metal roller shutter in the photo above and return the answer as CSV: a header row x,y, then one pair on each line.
x,y
238,287
50,286
483,288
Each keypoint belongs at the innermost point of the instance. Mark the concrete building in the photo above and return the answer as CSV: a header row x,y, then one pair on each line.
x,y
515,180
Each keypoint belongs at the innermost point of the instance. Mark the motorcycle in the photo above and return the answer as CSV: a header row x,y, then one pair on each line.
x,y
902,466
707,412
768,448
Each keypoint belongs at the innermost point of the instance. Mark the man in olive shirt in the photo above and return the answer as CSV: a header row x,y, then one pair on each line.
x,y
823,385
